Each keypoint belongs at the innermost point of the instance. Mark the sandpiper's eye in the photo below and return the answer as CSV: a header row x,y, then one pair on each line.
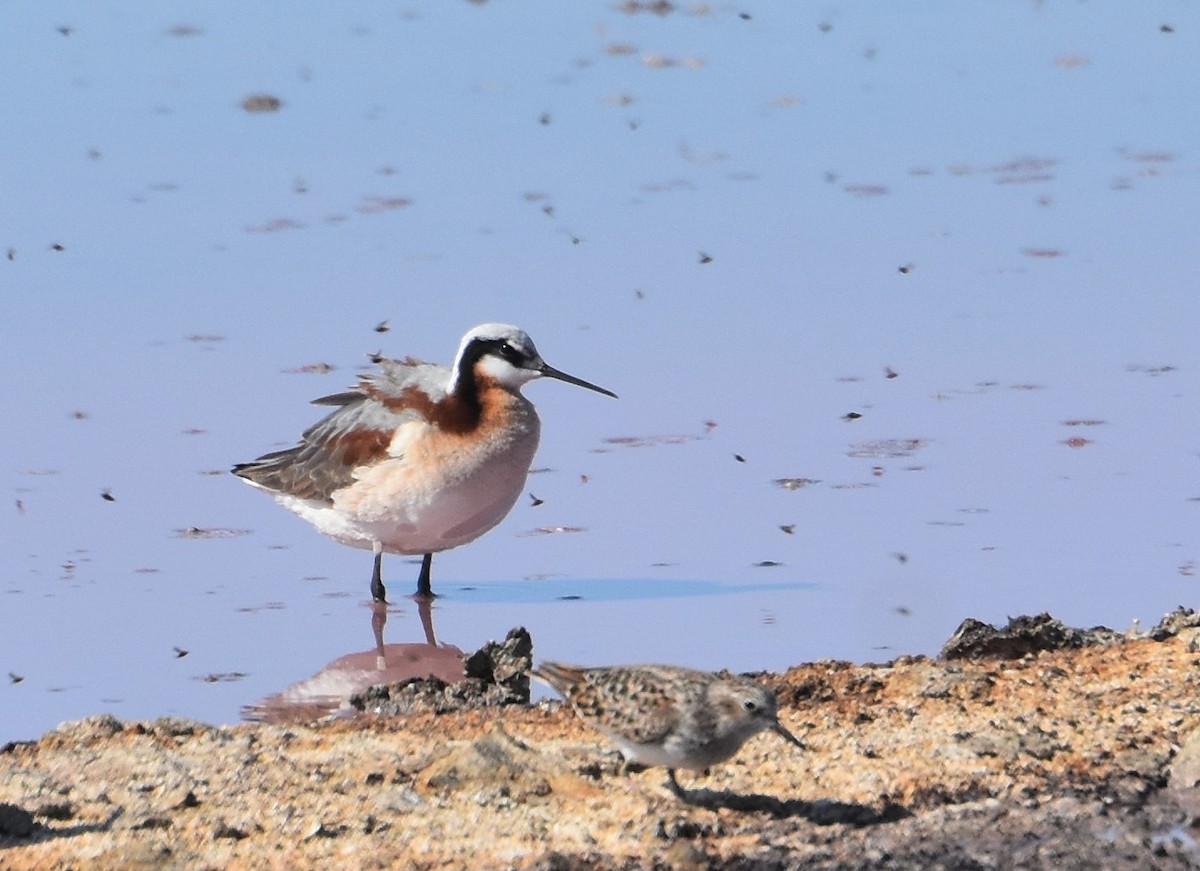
x,y
748,705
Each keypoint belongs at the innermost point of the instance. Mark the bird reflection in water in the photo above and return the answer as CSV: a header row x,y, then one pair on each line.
x,y
327,693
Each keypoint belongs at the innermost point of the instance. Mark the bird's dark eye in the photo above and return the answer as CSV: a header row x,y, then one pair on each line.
x,y
509,353
748,705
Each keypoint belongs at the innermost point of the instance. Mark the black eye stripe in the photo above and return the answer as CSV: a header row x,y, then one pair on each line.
x,y
501,348
508,352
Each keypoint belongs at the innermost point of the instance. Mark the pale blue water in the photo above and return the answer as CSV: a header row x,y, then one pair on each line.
x,y
564,166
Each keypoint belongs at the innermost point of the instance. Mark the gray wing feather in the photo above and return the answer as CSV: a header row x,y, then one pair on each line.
x,y
359,429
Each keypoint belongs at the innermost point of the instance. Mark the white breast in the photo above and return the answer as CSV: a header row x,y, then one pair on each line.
x,y
436,490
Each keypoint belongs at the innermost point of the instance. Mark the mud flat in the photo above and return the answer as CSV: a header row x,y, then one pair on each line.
x,y
1029,746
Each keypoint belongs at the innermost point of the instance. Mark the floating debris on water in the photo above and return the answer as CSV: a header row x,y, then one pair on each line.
x,y
215,532
796,483
886,449
256,103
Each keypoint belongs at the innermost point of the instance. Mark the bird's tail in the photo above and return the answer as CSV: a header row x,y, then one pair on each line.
x,y
559,675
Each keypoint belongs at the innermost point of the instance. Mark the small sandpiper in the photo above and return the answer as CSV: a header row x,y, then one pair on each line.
x,y
418,458
667,715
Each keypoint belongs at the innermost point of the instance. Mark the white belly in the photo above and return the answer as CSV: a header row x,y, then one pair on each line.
x,y
680,751
435,493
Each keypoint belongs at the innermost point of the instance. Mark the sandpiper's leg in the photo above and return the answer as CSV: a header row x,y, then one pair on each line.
x,y
673,784
378,593
423,589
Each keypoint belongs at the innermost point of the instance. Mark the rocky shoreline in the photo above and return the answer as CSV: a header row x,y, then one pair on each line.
x,y
1030,746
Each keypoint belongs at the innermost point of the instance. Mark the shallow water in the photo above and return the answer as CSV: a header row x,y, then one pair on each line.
x,y
899,302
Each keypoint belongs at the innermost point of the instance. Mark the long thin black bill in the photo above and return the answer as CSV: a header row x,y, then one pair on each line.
x,y
779,729
551,372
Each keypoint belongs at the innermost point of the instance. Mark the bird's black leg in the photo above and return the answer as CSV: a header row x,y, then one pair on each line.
x,y
378,621
425,613
378,593
424,591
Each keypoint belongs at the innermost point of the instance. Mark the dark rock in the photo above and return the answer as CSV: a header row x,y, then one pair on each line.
x,y
495,675
176,727
505,664
96,728
1022,636
1174,623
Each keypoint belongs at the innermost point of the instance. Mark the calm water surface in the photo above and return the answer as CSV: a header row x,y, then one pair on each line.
x,y
932,267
